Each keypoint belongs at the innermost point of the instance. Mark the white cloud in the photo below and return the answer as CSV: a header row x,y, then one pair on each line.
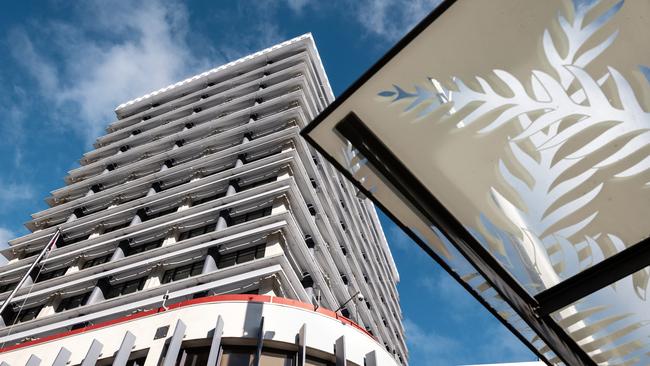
x,y
12,192
120,51
5,236
435,348
392,19
297,5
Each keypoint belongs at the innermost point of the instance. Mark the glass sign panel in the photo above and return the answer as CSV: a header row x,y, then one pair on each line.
x,y
529,122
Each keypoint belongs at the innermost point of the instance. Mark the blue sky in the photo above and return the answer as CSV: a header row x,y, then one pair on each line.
x,y
64,67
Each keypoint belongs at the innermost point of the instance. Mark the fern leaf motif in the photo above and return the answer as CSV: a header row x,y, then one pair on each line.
x,y
560,107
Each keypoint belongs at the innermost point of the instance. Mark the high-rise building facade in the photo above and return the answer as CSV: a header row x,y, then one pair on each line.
x,y
203,230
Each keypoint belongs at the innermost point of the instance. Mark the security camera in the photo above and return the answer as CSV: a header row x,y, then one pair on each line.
x,y
360,297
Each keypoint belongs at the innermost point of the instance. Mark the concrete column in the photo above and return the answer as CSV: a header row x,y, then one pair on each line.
x,y
155,188
196,176
232,187
210,264
222,221
155,278
267,287
187,203
76,266
240,160
172,237
274,244
288,146
280,204
135,220
97,232
50,307
285,172
120,251
98,295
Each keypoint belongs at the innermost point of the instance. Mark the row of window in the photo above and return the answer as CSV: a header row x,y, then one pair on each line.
x,y
162,186
242,105
182,102
132,250
137,284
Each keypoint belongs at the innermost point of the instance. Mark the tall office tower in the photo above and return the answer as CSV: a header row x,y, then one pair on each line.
x,y
203,230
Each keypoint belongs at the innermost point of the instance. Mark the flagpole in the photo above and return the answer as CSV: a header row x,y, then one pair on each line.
x,y
53,240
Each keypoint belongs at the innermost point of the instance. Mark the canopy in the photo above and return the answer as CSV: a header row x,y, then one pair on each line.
x,y
511,140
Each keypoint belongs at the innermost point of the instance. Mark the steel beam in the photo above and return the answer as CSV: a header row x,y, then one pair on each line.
x,y
93,353
260,343
175,344
215,346
302,345
371,359
33,361
124,352
339,352
594,278
62,358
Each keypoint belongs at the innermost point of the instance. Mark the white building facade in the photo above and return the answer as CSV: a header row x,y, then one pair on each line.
x,y
203,230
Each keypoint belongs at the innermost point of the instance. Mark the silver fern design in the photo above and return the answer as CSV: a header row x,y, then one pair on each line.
x,y
552,111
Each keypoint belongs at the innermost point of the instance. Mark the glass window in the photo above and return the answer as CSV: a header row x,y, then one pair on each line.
x,y
144,247
246,255
67,241
311,361
8,287
183,272
73,302
51,274
237,356
257,183
26,314
241,256
209,198
117,227
161,213
252,215
193,356
126,287
96,261
197,231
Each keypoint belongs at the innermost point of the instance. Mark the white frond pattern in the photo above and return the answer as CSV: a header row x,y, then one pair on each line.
x,y
555,212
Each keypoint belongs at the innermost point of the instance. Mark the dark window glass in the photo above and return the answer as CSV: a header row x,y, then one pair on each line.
x,y
227,260
237,356
263,155
311,361
136,362
209,198
26,314
116,227
241,256
8,287
252,215
51,274
144,247
96,261
257,183
68,241
73,302
197,231
182,272
246,255
126,287
161,213
193,356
